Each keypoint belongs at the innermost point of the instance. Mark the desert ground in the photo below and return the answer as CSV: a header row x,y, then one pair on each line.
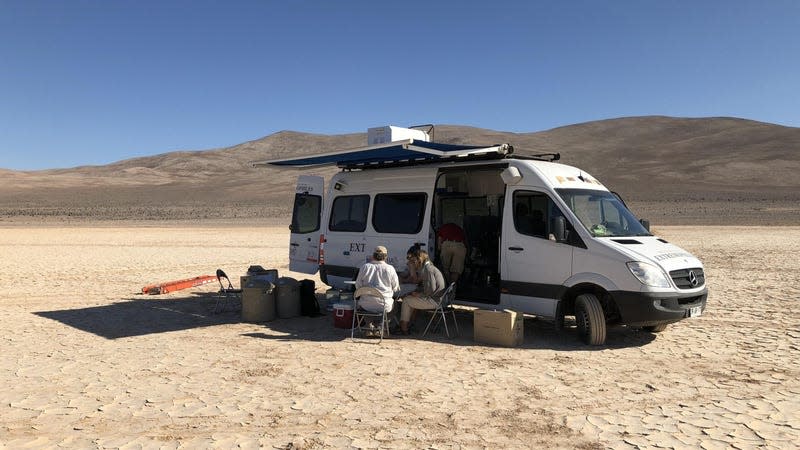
x,y
89,362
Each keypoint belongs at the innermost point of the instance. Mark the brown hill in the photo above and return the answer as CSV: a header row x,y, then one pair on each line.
x,y
671,170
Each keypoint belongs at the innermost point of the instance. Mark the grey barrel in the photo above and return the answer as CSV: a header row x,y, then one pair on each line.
x,y
287,298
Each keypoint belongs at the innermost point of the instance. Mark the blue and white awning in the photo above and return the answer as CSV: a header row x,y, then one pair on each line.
x,y
392,152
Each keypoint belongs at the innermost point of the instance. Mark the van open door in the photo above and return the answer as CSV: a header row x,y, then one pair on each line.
x,y
305,227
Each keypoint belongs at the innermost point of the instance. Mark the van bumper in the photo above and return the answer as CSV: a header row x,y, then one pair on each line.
x,y
653,308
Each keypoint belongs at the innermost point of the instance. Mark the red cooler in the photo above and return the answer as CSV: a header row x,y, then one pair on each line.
x,y
342,315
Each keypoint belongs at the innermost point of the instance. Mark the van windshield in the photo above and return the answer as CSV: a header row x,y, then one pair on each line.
x,y
602,213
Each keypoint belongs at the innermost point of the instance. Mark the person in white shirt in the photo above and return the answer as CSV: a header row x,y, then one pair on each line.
x,y
382,276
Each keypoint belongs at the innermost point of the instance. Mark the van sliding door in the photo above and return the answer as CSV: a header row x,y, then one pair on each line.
x,y
472,198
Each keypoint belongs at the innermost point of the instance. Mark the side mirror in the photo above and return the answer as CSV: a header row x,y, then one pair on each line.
x,y
560,228
645,223
291,227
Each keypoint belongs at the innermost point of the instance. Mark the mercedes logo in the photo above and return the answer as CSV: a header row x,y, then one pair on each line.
x,y
692,278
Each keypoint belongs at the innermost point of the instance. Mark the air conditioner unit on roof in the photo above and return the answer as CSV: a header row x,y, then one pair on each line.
x,y
383,135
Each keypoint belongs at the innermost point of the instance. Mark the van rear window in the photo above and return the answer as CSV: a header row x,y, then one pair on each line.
x,y
305,215
399,213
349,213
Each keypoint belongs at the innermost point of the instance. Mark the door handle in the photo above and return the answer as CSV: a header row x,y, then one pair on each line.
x,y
294,245
516,249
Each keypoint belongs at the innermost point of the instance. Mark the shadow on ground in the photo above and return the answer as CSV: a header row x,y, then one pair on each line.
x,y
145,315
539,334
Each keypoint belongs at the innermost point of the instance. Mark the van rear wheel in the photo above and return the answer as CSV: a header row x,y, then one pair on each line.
x,y
590,319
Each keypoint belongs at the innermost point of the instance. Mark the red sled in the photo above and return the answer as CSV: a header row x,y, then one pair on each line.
x,y
169,286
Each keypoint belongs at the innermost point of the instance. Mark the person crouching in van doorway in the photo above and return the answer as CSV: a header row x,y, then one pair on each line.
x,y
450,240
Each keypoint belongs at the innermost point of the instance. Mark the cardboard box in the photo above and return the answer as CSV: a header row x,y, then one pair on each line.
x,y
499,327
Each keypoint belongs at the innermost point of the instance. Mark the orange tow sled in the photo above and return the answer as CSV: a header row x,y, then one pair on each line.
x,y
169,286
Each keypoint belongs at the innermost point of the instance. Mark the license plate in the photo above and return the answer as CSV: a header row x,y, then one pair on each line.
x,y
695,311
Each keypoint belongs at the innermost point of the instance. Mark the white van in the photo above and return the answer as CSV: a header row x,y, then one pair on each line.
x,y
543,238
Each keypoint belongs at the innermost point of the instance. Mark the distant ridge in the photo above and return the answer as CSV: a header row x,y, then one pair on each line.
x,y
663,165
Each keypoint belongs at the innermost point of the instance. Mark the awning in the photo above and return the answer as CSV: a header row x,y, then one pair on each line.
x,y
392,152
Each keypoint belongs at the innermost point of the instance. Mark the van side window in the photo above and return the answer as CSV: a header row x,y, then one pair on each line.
x,y
305,215
349,213
399,213
533,212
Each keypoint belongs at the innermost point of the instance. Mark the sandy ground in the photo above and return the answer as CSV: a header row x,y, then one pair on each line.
x,y
86,362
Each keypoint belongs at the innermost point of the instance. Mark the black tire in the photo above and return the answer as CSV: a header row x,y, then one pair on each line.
x,y
590,319
656,328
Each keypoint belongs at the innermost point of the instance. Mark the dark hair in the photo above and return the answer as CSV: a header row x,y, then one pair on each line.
x,y
379,256
413,251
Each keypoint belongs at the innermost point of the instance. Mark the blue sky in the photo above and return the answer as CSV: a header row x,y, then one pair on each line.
x,y
97,81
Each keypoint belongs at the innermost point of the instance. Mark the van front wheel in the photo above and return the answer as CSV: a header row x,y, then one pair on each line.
x,y
590,319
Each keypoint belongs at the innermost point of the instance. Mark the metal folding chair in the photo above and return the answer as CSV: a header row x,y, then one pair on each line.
x,y
359,314
444,306
227,294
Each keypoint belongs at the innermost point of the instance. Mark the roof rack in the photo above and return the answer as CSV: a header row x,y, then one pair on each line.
x,y
539,157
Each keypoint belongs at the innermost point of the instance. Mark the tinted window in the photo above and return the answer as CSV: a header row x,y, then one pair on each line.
x,y
305,215
533,214
349,213
399,213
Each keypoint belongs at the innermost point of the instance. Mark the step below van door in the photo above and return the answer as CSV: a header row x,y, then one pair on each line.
x,y
305,227
533,267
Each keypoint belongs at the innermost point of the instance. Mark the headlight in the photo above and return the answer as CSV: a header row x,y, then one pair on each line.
x,y
649,274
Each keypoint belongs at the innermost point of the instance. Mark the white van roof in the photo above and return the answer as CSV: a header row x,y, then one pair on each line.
x,y
380,155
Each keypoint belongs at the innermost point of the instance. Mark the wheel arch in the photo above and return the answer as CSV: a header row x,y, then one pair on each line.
x,y
567,302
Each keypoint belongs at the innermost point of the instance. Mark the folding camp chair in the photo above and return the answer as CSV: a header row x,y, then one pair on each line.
x,y
444,306
227,294
359,314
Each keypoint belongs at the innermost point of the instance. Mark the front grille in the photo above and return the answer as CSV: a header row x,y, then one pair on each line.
x,y
683,278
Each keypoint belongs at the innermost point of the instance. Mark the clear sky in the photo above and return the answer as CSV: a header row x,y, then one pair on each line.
x,y
97,81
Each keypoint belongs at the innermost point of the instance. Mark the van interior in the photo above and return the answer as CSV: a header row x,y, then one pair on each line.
x,y
472,198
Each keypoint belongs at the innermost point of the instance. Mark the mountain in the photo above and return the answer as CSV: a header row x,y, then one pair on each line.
x,y
671,170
